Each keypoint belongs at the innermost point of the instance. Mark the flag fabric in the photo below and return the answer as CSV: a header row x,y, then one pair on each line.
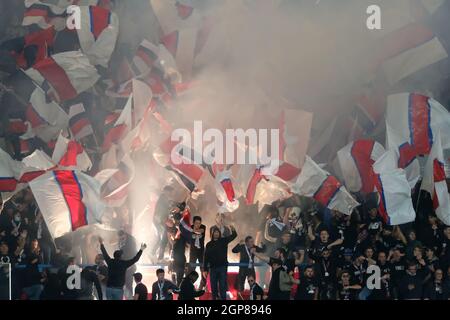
x,y
8,181
70,155
356,163
185,31
63,76
99,3
14,175
324,188
31,48
49,117
68,200
114,190
186,173
394,192
79,123
435,182
98,33
411,124
408,50
17,126
121,126
295,129
43,15
225,192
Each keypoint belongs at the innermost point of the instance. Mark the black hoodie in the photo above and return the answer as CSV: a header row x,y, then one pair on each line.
x,y
216,251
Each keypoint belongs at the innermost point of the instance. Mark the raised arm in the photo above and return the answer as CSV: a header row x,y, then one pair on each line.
x,y
136,258
237,248
232,236
104,252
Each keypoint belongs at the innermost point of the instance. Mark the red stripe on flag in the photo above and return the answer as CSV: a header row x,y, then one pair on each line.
x,y
8,184
251,189
29,176
382,203
438,171
191,171
145,57
113,136
33,12
229,190
327,190
73,195
99,20
33,117
287,172
72,152
361,153
419,123
79,125
57,77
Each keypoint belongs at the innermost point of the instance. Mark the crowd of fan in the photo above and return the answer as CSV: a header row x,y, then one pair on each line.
x,y
315,253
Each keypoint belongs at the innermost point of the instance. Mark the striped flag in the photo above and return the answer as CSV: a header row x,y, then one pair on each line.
x,y
409,48
394,192
43,15
79,123
411,124
185,31
327,190
40,113
356,162
31,48
68,200
63,76
225,192
98,33
70,155
435,181
115,189
99,3
121,126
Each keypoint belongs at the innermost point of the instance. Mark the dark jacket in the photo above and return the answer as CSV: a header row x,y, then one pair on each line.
x,y
89,279
187,290
168,285
243,255
216,252
118,268
414,293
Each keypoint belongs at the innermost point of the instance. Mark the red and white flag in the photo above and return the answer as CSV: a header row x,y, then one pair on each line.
x,y
45,118
65,75
79,123
394,192
185,31
225,192
15,175
43,15
100,3
115,188
356,162
317,183
68,200
435,182
121,127
412,121
409,49
70,155
98,33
